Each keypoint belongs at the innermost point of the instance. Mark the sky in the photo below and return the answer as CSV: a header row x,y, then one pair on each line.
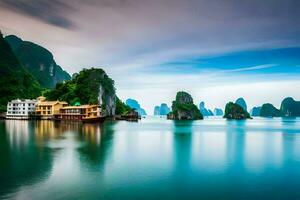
x,y
214,49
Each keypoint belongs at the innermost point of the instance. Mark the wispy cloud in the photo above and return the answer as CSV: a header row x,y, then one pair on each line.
x,y
52,12
258,67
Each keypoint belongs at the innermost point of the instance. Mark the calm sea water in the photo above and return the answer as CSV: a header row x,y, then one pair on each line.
x,y
152,159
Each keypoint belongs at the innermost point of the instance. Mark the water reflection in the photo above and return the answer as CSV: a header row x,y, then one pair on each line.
x,y
18,134
21,161
98,140
182,146
33,151
176,159
235,139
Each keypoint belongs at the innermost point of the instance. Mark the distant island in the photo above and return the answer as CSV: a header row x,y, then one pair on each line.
x,y
288,108
255,111
218,112
163,109
132,103
183,108
204,111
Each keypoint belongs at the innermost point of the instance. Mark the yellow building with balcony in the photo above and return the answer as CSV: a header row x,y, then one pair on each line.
x,y
85,113
47,109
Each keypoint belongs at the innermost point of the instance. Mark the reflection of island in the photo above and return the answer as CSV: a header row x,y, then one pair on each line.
x,y
98,138
182,146
235,142
22,162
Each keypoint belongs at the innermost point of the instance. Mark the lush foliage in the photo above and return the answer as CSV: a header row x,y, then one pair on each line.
x,y
121,107
184,108
183,97
83,88
268,110
38,61
235,111
15,81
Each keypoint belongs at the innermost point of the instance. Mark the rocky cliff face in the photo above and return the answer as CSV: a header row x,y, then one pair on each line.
x,y
183,108
108,99
110,106
38,61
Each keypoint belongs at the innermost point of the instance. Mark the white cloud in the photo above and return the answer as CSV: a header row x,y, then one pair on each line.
x,y
257,67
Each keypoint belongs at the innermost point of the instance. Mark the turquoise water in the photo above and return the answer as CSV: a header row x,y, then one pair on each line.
x,y
152,159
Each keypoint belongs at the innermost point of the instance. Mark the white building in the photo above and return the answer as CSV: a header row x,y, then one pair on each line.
x,y
20,109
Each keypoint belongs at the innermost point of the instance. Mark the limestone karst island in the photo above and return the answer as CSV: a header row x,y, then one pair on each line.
x,y
135,99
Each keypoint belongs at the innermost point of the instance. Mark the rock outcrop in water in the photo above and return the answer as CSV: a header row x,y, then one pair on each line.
x,y
163,109
235,111
132,103
255,111
290,108
268,110
204,111
240,101
183,108
218,112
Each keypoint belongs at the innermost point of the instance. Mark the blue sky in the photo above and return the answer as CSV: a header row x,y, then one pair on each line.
x,y
216,50
266,61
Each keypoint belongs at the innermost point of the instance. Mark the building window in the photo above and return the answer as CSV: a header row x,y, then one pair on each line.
x,y
49,112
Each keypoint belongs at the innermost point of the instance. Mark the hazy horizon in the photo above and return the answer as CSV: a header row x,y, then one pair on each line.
x,y
217,51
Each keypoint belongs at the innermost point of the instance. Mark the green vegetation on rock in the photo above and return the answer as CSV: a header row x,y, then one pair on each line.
x,y
38,61
183,108
89,86
16,81
235,111
121,107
